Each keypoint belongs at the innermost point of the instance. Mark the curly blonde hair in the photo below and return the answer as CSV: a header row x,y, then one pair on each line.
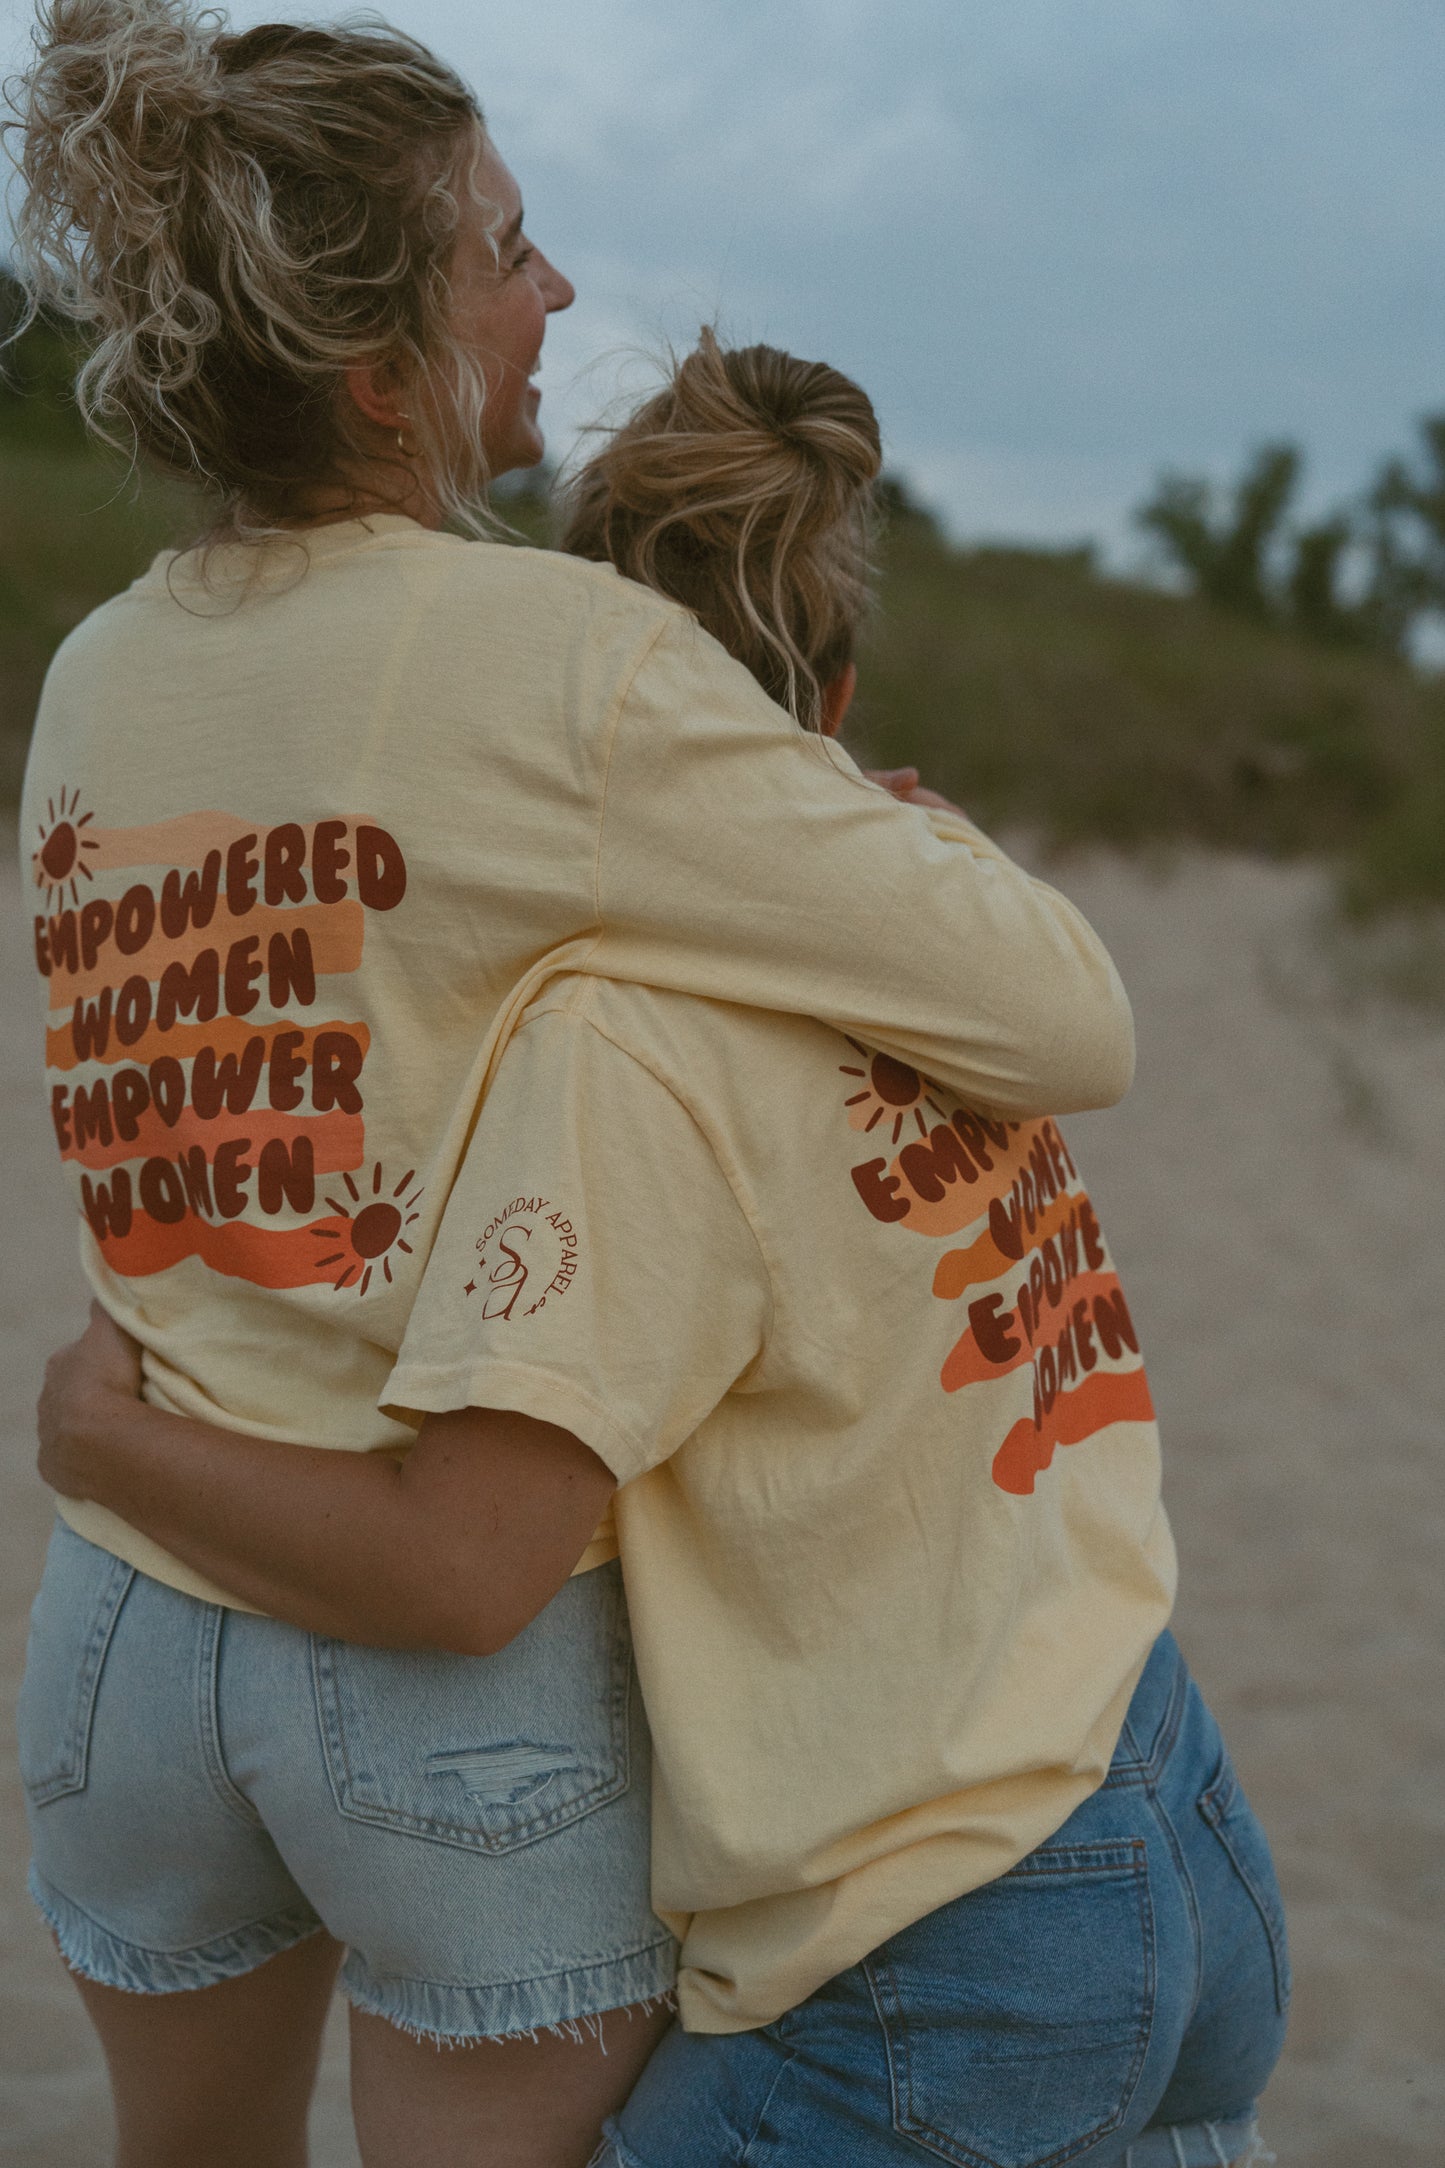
x,y
744,490
237,220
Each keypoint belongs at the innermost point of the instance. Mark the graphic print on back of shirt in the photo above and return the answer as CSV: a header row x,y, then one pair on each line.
x,y
1041,1293
204,1077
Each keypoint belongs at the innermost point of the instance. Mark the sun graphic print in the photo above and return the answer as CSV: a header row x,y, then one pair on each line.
x,y
891,1091
59,861
369,1230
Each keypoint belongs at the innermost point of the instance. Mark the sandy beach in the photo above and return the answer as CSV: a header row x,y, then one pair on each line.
x,y
1267,1191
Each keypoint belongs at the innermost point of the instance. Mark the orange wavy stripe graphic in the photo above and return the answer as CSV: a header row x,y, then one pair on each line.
x,y
957,1270
983,1260
225,1035
335,931
967,1363
266,1256
338,1140
962,1201
183,841
1107,1397
949,1180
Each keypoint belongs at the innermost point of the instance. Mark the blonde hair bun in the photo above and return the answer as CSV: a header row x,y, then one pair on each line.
x,y
743,489
236,219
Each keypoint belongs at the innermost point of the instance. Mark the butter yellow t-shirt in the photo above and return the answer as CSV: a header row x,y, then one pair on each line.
x,y
889,1520
300,824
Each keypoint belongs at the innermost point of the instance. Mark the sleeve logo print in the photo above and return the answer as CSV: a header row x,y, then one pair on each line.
x,y
1043,1298
205,1079
528,1252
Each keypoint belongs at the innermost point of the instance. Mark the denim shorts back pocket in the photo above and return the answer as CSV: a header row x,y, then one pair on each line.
x,y
1017,2018
487,1753
71,1623
1233,1820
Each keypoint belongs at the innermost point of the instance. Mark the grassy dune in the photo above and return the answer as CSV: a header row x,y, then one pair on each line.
x,y
1027,684
74,529
1096,710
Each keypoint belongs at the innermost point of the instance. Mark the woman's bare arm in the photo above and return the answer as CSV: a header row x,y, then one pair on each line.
x,y
742,860
458,1546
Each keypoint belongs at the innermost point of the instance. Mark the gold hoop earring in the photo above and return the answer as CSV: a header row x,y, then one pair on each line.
x,y
407,451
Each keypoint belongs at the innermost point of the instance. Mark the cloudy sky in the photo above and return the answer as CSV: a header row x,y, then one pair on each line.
x,y
1064,243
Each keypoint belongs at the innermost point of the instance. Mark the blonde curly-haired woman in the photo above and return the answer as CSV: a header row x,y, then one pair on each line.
x,y
313,809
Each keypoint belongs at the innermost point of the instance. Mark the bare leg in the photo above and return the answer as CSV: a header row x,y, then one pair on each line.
x,y
496,2103
220,2075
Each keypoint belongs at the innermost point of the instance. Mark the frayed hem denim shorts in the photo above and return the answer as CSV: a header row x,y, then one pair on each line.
x,y
206,1788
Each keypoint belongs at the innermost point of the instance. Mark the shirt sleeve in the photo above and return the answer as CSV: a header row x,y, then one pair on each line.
x,y
593,1268
744,860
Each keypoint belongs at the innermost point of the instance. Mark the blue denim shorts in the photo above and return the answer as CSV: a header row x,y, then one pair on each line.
x,y
206,1788
1117,2000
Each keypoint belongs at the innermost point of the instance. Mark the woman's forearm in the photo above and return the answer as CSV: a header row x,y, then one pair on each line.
x,y
456,1547
259,1518
740,862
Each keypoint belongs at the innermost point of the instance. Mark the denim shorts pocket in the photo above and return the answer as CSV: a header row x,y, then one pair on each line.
x,y
71,1622
487,1753
1017,2018
1233,1820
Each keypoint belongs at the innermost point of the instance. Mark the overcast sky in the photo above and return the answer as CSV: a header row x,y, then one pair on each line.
x,y
1063,243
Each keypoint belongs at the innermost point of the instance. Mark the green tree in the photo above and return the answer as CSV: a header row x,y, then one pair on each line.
x,y
1314,581
1357,578
1227,554
1406,510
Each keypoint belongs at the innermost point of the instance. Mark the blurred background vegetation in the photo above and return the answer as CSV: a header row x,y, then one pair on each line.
x,y
1259,695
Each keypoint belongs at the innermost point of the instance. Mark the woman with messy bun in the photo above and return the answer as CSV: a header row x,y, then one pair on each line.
x,y
913,1699
331,1658
245,225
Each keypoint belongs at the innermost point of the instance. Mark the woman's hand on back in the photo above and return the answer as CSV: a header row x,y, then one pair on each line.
x,y
903,784
81,1380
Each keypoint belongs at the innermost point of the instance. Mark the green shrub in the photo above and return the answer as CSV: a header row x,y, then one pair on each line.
x,y
1043,693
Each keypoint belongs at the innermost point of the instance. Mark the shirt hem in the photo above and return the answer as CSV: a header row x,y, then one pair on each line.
x,y
518,1389
888,1893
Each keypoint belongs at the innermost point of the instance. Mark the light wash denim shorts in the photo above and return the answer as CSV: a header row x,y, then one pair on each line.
x,y
206,1788
1116,2001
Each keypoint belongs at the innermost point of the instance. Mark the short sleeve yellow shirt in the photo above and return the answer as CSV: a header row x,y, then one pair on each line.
x,y
297,826
889,1513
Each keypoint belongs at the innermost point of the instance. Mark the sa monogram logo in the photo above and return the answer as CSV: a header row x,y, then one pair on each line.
x,y
527,1253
